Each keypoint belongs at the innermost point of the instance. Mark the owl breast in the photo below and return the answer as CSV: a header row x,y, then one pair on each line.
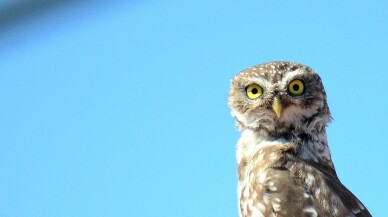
x,y
264,185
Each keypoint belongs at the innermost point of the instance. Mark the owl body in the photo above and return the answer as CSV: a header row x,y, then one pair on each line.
x,y
284,162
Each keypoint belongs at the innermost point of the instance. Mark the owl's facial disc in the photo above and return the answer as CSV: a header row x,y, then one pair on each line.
x,y
277,97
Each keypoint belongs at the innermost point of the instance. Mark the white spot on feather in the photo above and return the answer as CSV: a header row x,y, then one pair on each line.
x,y
272,156
335,210
359,209
272,188
276,207
266,199
360,205
246,192
261,207
310,180
261,157
262,177
317,191
257,213
311,210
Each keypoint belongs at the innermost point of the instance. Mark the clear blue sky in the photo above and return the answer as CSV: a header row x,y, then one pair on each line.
x,y
120,109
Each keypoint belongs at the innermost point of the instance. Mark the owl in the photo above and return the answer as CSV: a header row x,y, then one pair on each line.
x,y
284,162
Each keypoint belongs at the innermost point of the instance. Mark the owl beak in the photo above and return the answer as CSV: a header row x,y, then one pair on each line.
x,y
277,106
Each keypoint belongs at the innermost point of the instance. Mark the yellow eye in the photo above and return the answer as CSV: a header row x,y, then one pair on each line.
x,y
254,91
296,87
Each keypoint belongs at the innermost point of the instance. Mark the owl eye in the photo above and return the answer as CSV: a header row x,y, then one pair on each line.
x,y
296,87
253,91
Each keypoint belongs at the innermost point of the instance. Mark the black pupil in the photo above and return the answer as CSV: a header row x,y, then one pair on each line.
x,y
255,91
295,87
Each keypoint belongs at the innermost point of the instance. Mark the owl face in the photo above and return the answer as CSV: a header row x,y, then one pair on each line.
x,y
278,97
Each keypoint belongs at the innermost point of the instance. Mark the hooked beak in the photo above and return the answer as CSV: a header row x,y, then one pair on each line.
x,y
277,106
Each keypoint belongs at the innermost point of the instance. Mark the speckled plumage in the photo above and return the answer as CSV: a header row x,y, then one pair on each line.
x,y
284,163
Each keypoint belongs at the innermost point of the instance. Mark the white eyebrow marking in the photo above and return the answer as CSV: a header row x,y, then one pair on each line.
x,y
289,76
264,83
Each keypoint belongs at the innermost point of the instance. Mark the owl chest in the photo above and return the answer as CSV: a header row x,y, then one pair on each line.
x,y
259,181
255,159
266,183
272,183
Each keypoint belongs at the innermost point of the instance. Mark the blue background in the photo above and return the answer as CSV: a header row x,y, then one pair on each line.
x,y
120,109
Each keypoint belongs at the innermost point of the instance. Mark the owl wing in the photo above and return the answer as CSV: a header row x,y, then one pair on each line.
x,y
328,195
295,188
326,176
348,199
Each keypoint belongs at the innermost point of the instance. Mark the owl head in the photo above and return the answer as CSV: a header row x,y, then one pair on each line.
x,y
279,97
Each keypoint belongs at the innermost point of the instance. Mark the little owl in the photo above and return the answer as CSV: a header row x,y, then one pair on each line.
x,y
284,162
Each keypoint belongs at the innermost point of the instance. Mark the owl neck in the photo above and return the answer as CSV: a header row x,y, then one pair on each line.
x,y
309,147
